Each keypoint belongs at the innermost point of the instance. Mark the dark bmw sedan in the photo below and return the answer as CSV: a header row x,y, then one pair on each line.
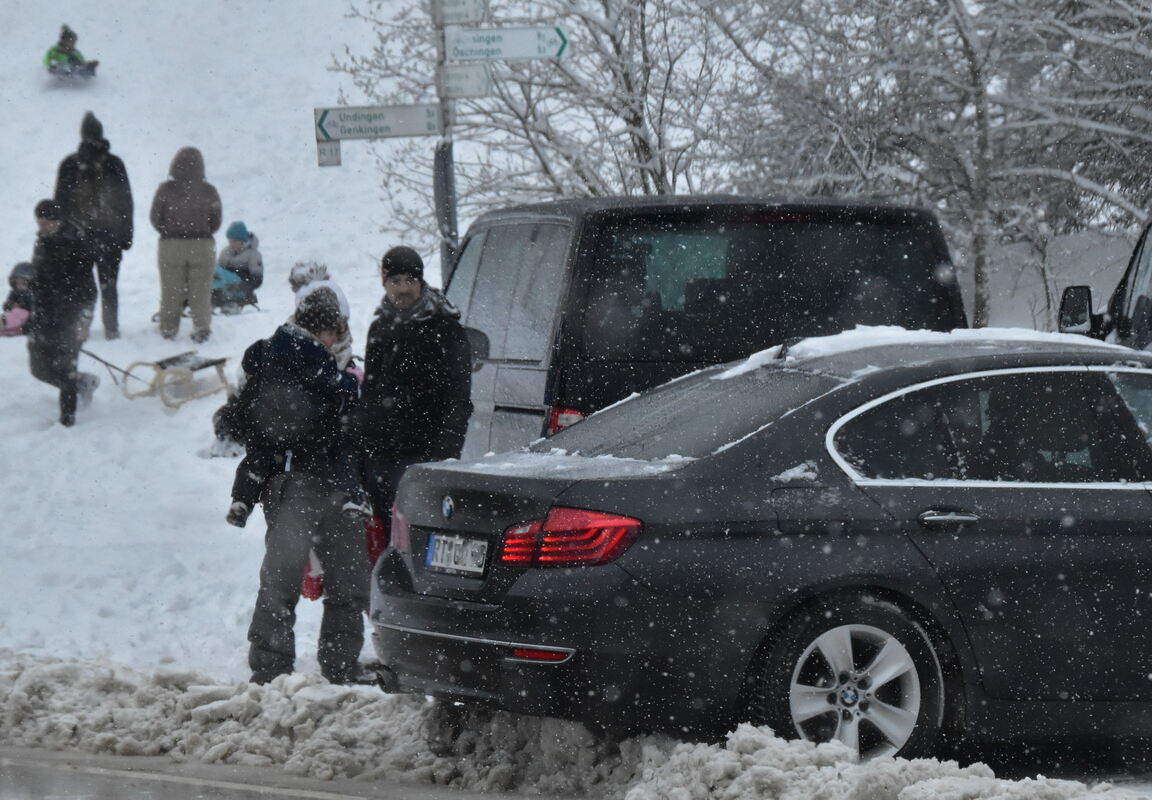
x,y
883,537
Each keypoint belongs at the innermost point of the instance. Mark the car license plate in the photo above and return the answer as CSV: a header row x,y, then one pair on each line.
x,y
456,554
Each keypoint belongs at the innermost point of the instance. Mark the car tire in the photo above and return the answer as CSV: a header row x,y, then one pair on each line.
x,y
856,669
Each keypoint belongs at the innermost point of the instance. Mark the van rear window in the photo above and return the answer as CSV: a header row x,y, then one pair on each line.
x,y
700,288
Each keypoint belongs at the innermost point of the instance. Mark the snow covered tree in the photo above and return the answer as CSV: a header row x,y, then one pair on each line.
x,y
1013,119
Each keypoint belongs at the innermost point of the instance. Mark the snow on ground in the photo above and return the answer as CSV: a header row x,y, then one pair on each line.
x,y
126,596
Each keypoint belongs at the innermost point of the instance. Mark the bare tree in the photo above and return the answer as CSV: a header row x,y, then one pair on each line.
x,y
619,115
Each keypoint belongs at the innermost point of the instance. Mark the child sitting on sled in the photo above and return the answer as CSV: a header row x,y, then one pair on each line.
x,y
65,61
239,270
18,304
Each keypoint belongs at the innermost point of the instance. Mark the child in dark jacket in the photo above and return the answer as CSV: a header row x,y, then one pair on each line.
x,y
18,304
293,410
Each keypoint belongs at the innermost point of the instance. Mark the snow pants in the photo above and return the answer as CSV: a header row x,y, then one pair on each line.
x,y
107,259
52,358
186,269
303,512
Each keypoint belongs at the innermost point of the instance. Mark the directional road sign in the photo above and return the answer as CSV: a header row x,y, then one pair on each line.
x,y
462,12
375,122
467,80
503,44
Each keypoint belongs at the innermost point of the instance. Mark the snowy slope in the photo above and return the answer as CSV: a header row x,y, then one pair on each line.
x,y
126,596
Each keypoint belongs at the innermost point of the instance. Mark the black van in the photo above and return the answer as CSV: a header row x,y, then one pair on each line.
x,y
575,304
1128,318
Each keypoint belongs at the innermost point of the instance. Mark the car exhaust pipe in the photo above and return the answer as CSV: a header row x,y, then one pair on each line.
x,y
386,679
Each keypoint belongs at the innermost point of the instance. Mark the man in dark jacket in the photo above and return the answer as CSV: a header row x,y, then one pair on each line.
x,y
63,294
92,188
300,452
416,399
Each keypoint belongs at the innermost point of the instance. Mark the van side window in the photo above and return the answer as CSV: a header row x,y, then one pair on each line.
x,y
463,277
538,292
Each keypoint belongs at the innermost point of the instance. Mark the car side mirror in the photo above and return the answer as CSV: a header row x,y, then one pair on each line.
x,y
478,343
1076,310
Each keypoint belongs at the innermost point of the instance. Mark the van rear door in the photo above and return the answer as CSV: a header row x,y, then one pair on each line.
x,y
665,291
508,283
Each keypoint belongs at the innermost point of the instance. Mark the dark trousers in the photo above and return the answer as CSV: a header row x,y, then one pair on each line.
x,y
304,512
52,357
106,257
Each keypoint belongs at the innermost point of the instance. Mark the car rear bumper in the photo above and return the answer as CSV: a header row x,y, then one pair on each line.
x,y
606,651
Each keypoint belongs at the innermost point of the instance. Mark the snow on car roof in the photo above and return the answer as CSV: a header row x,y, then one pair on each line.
x,y
865,337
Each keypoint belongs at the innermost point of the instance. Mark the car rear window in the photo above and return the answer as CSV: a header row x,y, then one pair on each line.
x,y
691,417
714,287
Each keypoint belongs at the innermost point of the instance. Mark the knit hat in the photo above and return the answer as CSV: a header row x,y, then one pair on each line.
x,y
239,231
402,261
22,270
49,209
91,129
304,272
67,33
318,317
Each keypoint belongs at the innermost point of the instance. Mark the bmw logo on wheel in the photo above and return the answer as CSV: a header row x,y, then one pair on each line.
x,y
447,507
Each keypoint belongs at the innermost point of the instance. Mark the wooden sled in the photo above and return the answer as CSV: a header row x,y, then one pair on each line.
x,y
174,380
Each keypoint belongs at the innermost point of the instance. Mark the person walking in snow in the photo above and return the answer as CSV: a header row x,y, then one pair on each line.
x,y
186,213
63,59
416,398
92,189
300,460
63,294
239,270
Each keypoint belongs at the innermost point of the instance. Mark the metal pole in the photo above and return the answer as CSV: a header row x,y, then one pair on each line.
x,y
443,167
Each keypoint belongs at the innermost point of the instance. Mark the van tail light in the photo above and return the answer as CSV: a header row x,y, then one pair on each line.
x,y
561,418
400,539
569,537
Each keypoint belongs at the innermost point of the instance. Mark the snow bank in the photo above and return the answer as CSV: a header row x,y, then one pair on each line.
x,y
311,728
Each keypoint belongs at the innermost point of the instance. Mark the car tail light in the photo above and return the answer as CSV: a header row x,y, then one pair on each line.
x,y
540,654
561,418
569,537
400,538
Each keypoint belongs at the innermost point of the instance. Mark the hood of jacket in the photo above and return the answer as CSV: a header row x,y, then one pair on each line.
x,y
187,166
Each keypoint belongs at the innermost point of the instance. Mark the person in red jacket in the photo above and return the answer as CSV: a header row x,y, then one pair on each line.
x,y
186,212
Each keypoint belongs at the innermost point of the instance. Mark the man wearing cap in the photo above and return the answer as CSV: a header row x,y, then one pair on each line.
x,y
92,189
63,294
416,398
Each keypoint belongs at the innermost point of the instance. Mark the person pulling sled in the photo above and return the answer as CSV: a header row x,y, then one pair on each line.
x,y
66,62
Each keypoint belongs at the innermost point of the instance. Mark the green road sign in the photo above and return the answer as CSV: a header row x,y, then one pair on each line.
x,y
503,44
377,122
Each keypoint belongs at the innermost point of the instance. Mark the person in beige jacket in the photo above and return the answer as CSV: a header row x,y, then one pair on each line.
x,y
186,213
